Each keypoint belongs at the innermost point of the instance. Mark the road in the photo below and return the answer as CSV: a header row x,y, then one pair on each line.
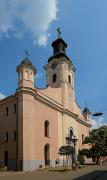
x,y
95,175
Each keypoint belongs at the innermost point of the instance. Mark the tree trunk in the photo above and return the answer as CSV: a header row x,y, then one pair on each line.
x,y
98,160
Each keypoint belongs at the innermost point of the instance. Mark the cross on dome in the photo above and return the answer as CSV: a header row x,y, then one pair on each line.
x,y
26,53
59,32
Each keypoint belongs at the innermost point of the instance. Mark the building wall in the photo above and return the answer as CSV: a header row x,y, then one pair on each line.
x,y
29,124
8,125
34,116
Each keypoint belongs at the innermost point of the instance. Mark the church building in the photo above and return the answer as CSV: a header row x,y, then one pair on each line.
x,y
34,122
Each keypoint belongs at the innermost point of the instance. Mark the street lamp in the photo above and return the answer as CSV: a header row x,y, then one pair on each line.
x,y
69,140
98,114
74,140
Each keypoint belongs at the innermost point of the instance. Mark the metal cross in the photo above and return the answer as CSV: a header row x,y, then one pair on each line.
x,y
59,32
26,53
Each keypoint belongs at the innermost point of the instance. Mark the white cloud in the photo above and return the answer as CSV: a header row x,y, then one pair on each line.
x,y
42,40
35,16
2,96
98,123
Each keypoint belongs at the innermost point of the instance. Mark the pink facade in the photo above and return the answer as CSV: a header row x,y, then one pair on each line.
x,y
34,123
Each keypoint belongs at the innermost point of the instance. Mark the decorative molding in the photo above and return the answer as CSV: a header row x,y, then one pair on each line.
x,y
41,97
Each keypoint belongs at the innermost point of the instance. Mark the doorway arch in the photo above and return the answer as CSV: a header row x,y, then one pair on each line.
x,y
47,154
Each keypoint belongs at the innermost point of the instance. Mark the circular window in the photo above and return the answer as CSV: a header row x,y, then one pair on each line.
x,y
54,66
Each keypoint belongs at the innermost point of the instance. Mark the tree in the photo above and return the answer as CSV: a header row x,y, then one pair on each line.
x,y
98,140
66,151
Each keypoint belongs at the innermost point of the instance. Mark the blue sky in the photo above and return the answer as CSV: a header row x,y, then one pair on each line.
x,y
32,24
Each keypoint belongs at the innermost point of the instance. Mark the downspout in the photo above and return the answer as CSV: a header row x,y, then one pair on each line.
x,y
17,135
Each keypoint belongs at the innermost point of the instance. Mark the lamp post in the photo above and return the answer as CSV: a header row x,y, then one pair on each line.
x,y
98,114
69,140
74,142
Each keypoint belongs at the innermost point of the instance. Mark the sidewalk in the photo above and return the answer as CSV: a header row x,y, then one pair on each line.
x,y
55,174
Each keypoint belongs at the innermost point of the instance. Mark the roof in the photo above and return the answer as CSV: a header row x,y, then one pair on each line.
x,y
58,55
59,40
26,62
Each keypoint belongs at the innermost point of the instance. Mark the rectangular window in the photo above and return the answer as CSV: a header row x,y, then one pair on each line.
x,y
83,138
6,111
14,136
54,78
6,137
46,128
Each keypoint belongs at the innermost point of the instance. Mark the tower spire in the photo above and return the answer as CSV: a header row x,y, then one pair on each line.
x,y
26,53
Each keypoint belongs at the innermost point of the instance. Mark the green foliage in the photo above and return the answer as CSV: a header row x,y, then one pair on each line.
x,y
98,139
85,152
65,150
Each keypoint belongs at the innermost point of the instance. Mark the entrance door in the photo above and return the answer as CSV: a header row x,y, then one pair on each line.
x,y
6,158
47,154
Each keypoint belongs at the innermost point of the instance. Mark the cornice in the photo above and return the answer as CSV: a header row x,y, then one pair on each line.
x,y
77,118
41,97
7,99
51,104
56,106
26,89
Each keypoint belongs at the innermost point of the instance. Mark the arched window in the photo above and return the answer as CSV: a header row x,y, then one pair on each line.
x,y
71,133
31,76
70,136
26,74
54,78
46,128
21,75
69,79
82,138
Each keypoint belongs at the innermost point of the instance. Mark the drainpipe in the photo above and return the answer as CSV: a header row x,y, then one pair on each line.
x,y
17,134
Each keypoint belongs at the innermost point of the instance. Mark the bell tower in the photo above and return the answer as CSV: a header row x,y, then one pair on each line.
x,y
26,72
60,72
86,113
